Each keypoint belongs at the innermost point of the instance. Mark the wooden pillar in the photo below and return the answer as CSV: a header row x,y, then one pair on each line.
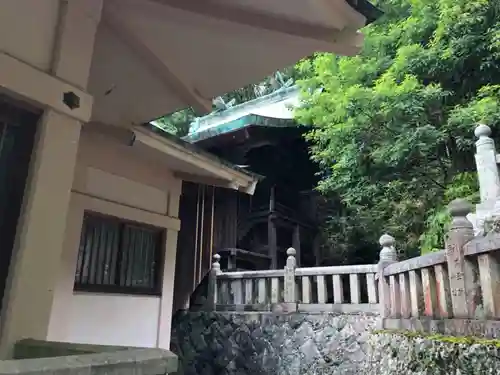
x,y
317,250
231,233
296,243
167,296
197,242
271,231
231,261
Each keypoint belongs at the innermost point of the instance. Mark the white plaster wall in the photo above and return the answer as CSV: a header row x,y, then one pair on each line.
x,y
33,23
111,179
113,320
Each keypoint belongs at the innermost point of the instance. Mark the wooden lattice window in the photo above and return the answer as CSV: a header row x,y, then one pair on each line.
x,y
117,256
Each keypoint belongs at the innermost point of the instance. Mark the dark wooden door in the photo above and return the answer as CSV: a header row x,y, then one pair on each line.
x,y
17,135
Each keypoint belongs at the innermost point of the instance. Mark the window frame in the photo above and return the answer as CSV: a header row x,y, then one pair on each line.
x,y
156,290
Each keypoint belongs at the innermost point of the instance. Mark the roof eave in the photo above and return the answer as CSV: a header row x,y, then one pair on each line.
x,y
233,176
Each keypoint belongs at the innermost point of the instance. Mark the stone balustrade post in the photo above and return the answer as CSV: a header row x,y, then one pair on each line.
x,y
486,164
212,287
388,255
290,285
216,264
460,271
489,180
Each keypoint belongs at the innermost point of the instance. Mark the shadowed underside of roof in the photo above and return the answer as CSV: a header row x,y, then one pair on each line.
x,y
173,54
235,125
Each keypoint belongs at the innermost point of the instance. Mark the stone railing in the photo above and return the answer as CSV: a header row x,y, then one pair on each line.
x,y
456,290
325,289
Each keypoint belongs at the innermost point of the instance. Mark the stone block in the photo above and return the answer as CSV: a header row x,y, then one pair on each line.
x,y
270,343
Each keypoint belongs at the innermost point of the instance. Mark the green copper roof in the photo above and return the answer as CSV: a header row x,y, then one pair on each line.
x,y
237,124
267,111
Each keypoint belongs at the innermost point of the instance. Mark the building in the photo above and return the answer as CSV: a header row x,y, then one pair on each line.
x,y
90,198
250,232
262,136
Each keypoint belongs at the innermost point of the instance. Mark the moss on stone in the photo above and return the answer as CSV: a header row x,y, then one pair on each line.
x,y
433,353
467,340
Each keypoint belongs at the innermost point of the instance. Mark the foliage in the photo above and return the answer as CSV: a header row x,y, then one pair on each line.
x,y
178,122
463,185
393,126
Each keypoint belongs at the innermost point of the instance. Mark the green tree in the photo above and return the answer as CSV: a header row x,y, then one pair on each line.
x,y
177,123
393,126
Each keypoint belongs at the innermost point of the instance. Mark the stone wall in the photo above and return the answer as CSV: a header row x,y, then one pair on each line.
x,y
266,343
409,353
319,344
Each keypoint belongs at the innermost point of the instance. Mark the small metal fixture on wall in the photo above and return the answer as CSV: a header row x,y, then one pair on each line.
x,y
71,100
